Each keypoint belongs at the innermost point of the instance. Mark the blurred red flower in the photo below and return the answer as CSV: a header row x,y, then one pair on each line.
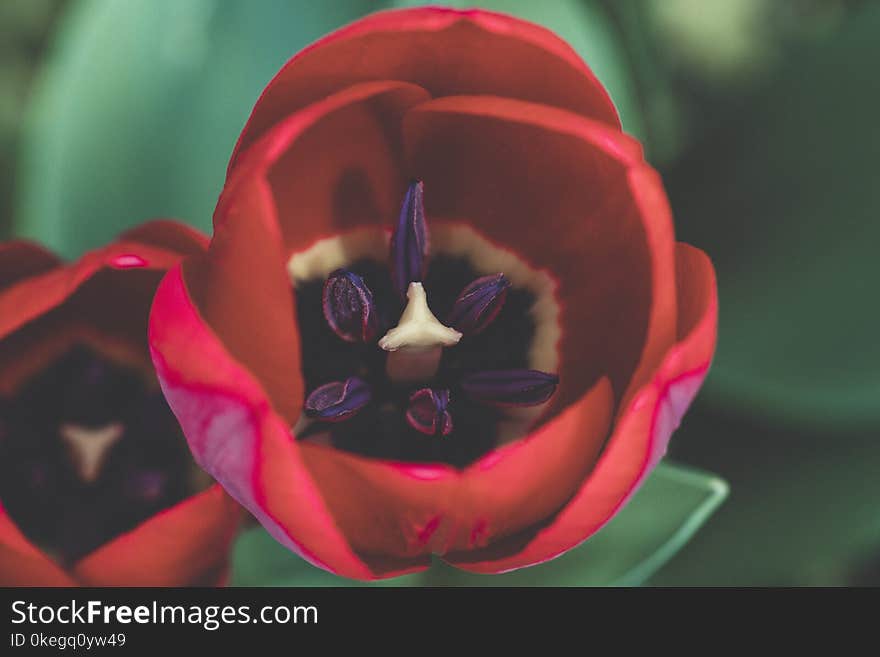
x,y
524,172
96,485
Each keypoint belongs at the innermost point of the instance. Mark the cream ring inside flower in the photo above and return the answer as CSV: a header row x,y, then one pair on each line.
x,y
452,238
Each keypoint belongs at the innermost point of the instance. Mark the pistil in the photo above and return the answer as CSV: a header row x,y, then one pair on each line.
x,y
89,446
416,344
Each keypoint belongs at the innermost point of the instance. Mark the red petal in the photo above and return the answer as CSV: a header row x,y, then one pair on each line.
x,y
406,510
242,291
642,434
23,564
524,482
168,234
20,259
399,510
333,165
185,545
236,436
572,196
334,149
105,294
36,295
445,51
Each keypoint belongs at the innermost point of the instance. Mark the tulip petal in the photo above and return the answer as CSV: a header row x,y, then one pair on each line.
x,y
443,50
185,545
23,301
573,197
523,482
333,165
332,150
404,510
400,510
640,438
20,259
106,294
167,234
236,436
23,564
242,291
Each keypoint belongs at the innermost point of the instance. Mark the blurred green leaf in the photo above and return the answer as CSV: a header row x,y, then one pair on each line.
x,y
259,560
139,106
787,205
661,517
805,507
671,505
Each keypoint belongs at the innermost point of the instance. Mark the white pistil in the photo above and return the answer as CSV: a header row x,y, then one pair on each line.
x,y
416,343
89,447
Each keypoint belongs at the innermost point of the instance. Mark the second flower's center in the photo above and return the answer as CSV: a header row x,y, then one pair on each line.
x,y
88,450
414,362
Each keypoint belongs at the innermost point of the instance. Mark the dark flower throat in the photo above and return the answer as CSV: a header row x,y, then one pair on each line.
x,y
87,452
450,412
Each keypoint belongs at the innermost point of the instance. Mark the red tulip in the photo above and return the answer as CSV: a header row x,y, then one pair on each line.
x,y
97,487
420,152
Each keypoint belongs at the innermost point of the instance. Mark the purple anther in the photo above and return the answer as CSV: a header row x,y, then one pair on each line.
x,y
409,243
348,307
338,400
478,304
510,387
428,412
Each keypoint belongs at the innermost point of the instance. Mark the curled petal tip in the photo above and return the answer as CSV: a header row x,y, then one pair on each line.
x,y
338,400
348,307
428,412
479,304
409,243
510,387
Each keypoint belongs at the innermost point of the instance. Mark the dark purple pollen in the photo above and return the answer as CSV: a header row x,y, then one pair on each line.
x,y
348,307
338,400
409,243
428,412
510,387
478,304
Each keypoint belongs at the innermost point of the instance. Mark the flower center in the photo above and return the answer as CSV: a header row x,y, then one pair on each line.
x,y
416,344
418,358
88,450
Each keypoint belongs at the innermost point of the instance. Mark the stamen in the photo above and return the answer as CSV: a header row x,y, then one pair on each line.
x,y
409,243
416,343
348,307
510,387
338,400
89,447
428,412
479,303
